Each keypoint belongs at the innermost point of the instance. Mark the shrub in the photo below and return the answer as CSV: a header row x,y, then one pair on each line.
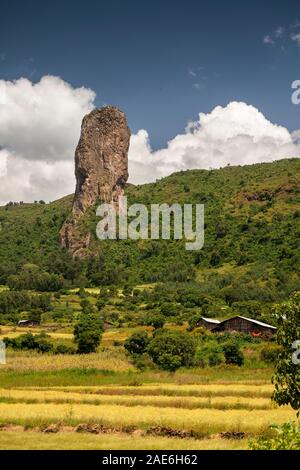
x,y
209,353
287,438
143,361
172,349
137,343
270,353
287,373
28,341
157,321
63,349
87,333
169,309
233,354
215,359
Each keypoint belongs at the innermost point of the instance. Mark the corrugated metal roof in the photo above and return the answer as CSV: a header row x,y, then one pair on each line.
x,y
210,320
257,322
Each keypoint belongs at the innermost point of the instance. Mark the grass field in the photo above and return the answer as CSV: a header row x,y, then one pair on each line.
x,y
148,416
18,440
101,401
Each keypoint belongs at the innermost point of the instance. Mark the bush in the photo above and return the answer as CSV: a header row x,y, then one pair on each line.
x,y
143,361
270,353
87,333
215,359
172,349
39,343
157,321
63,349
287,438
209,353
30,342
169,309
137,343
233,354
287,373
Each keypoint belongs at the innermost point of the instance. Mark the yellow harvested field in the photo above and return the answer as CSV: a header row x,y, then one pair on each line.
x,y
108,337
121,335
74,441
206,390
202,421
58,396
108,360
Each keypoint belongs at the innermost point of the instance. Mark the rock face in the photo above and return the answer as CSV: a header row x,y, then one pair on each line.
x,y
101,169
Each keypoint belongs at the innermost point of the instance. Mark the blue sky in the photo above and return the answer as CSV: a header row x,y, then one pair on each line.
x,y
226,66
163,61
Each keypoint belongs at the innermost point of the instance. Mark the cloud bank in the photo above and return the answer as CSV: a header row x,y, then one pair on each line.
x,y
40,127
237,134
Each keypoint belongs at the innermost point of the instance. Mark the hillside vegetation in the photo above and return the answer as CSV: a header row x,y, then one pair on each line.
x,y
251,254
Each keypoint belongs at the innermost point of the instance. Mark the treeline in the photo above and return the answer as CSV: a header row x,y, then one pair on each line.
x,y
37,281
15,302
40,343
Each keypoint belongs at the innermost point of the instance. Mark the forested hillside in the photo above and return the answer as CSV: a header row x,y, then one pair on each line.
x,y
252,239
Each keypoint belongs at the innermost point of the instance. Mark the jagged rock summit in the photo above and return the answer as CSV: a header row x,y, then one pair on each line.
x,y
101,169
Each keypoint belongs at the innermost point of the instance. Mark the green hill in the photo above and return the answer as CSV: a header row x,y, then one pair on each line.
x,y
252,236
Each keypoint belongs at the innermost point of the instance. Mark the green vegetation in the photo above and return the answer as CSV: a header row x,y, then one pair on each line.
x,y
233,354
287,438
287,374
172,349
251,239
87,333
39,343
117,347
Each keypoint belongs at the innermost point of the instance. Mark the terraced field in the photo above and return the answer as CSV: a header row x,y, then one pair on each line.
x,y
152,416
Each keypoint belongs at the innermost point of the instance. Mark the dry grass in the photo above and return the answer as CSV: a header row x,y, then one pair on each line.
x,y
74,441
203,422
58,396
105,360
240,390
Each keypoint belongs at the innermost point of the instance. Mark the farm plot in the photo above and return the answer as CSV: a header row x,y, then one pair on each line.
x,y
206,416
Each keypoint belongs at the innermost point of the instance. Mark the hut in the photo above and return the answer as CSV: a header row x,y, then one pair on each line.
x,y
27,323
208,323
246,325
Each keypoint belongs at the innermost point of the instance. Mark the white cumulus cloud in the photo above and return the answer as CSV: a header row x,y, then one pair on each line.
x,y
237,134
40,127
296,37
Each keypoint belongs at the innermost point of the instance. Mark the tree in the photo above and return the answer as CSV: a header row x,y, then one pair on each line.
x,y
169,309
35,316
137,343
233,354
86,306
100,304
287,372
87,333
157,321
172,349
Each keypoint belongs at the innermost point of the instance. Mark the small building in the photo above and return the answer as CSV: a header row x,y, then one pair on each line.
x,y
246,325
27,323
208,323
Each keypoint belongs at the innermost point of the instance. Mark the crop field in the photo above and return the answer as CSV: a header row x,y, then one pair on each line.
x,y
106,360
149,416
